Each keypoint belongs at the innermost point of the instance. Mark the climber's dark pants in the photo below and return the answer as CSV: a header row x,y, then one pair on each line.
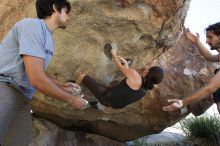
x,y
99,90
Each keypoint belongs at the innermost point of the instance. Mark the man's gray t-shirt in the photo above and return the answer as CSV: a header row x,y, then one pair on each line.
x,y
31,37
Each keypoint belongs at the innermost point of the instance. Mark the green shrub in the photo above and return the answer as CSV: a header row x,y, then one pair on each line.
x,y
140,142
203,130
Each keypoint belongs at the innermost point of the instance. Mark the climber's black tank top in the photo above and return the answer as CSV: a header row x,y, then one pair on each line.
x,y
122,95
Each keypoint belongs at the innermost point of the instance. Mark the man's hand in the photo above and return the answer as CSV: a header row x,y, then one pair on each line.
x,y
78,102
193,38
70,87
177,104
170,108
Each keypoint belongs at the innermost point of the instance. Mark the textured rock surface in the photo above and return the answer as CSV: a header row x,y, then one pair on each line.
x,y
12,11
48,134
143,31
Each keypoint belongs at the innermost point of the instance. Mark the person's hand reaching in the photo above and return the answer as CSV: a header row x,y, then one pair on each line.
x,y
177,104
193,38
70,87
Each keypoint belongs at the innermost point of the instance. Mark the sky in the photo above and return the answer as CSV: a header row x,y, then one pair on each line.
x,y
202,13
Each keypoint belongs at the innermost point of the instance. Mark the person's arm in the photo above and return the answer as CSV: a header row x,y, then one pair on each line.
x,y
133,77
57,82
202,49
34,67
213,85
67,86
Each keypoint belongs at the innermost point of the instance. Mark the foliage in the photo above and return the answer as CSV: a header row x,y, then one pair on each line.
x,y
202,130
140,142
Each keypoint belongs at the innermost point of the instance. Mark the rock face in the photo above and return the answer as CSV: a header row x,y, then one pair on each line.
x,y
48,134
143,30
12,11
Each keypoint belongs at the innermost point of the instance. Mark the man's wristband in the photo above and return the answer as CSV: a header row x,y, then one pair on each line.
x,y
183,110
178,105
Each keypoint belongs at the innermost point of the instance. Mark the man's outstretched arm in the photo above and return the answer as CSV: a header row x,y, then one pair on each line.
x,y
202,49
213,85
34,67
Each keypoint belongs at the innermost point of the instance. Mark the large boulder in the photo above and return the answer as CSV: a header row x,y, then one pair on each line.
x,y
148,32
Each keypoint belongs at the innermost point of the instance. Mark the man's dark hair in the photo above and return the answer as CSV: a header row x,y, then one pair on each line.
x,y
45,7
155,76
215,28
